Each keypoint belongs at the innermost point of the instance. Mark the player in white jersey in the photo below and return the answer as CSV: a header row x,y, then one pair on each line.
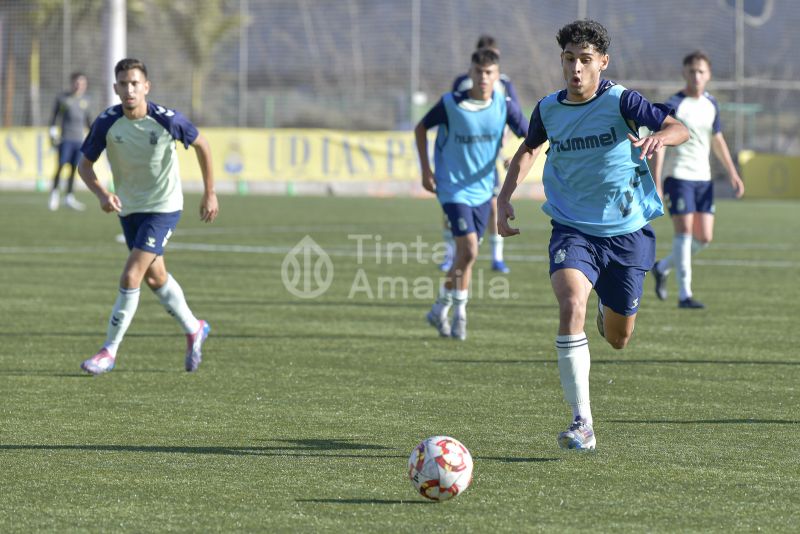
x,y
139,139
688,189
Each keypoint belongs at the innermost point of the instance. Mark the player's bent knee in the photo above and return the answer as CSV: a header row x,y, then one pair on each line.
x,y
618,343
155,282
618,339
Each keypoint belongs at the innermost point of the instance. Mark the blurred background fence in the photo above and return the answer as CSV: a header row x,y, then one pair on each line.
x,y
379,64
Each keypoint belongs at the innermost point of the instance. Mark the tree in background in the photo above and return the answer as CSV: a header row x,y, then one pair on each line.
x,y
201,26
39,14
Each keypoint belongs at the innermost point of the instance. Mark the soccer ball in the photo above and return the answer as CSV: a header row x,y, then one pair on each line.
x,y
440,468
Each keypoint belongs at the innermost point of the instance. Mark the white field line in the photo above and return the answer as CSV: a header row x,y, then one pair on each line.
x,y
509,244
367,252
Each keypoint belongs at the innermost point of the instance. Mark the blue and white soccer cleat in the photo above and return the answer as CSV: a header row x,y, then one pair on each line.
x,y
691,304
439,322
194,346
661,282
458,329
100,363
500,266
579,436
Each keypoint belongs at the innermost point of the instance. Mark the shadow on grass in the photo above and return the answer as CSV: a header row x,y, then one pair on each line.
x,y
94,334
634,362
42,372
706,421
331,448
516,460
361,501
225,451
82,374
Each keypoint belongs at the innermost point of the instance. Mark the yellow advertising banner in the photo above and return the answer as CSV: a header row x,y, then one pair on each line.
x,y
770,175
253,155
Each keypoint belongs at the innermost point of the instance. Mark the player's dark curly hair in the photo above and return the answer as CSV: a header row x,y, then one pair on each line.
x,y
584,33
486,41
697,55
127,64
485,56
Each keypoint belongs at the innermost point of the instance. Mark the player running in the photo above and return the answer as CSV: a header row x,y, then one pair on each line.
x,y
139,139
600,197
468,141
462,84
688,189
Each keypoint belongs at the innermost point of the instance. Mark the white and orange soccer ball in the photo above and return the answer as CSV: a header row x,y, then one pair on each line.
x,y
440,468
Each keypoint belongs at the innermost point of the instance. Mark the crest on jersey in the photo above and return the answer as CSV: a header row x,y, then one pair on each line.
x,y
153,138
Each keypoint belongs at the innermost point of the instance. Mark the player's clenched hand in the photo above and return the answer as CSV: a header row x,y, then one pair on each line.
x,y
209,207
649,145
505,212
738,186
428,181
110,203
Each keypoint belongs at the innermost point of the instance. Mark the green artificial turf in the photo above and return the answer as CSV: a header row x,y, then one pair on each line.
x,y
304,411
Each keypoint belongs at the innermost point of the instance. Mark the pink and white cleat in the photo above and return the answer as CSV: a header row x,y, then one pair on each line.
x,y
100,363
194,345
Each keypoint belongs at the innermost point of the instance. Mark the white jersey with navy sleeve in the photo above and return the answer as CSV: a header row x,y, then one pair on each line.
x,y
143,158
690,161
593,178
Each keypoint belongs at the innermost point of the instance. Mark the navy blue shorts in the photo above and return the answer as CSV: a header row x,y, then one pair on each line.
x,y
149,231
688,196
69,152
615,266
465,219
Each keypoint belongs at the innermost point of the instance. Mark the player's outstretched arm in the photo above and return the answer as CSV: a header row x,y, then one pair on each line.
x,y
672,133
518,169
109,202
658,168
209,205
421,137
720,148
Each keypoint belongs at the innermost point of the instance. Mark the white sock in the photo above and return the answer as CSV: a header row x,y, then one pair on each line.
x,y
450,246
171,297
682,252
665,265
698,247
460,297
573,366
443,303
496,240
121,317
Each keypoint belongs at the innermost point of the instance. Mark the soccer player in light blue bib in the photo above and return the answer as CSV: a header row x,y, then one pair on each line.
x,y
600,197
139,138
462,84
688,189
470,133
